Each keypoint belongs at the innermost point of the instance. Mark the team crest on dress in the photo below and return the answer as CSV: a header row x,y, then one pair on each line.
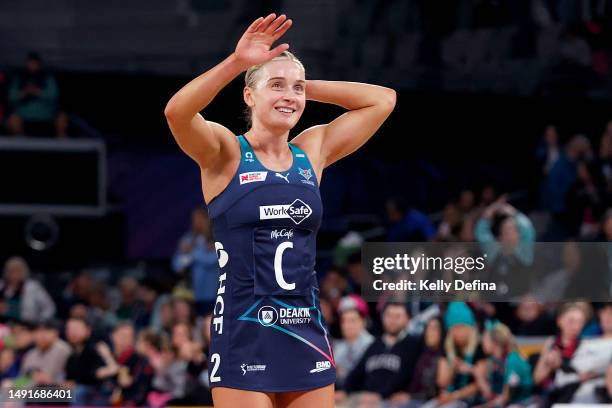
x,y
307,174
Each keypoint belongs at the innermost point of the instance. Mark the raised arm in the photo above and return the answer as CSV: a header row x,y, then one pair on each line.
x,y
203,140
368,107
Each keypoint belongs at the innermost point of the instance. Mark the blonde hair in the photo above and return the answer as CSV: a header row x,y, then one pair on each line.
x,y
252,76
503,337
581,306
469,348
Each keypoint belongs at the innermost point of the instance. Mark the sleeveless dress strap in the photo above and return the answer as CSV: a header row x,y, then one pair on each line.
x,y
302,164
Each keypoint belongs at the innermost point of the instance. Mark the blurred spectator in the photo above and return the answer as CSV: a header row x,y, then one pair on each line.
x,y
463,356
574,49
452,222
584,202
21,297
190,352
335,285
558,182
423,386
78,291
170,378
88,364
604,163
99,326
488,195
605,320
507,378
128,290
148,299
407,224
353,311
531,319
132,383
387,366
22,341
196,257
506,236
45,364
548,151
8,364
34,101
558,285
557,353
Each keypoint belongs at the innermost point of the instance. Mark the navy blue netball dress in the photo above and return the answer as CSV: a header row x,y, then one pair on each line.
x,y
268,332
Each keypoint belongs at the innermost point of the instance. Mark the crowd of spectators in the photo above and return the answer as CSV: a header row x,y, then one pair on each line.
x,y
133,342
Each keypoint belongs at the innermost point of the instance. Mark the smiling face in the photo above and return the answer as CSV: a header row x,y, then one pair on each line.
x,y
278,98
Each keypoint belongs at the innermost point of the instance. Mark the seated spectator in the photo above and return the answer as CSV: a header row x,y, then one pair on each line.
x,y
605,320
148,299
133,379
407,224
192,353
463,356
560,284
388,364
88,365
353,311
22,340
9,369
423,386
128,290
196,257
34,101
21,297
45,364
335,285
531,319
507,378
170,372
584,201
557,354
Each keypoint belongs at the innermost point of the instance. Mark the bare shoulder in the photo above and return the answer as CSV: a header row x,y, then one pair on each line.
x,y
226,136
217,176
310,140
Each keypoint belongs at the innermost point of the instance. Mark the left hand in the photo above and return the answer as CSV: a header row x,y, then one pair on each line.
x,y
463,367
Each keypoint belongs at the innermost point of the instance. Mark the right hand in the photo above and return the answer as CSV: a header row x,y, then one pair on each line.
x,y
254,46
553,359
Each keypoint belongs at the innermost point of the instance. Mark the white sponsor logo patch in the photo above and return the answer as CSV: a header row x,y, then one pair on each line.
x,y
269,315
321,366
297,211
283,233
253,177
249,368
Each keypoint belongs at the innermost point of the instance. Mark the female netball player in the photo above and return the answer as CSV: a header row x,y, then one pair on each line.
x,y
269,344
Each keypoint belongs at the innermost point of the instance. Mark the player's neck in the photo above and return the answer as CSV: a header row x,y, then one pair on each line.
x,y
267,141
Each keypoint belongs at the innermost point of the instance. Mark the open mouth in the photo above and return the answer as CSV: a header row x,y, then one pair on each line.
x,y
285,111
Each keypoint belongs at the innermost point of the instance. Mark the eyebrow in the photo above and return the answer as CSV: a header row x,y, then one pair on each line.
x,y
283,78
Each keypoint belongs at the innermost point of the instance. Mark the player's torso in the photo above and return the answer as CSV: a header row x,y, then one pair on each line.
x,y
265,224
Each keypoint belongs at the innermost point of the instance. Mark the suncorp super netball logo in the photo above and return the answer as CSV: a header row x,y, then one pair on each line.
x,y
297,211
